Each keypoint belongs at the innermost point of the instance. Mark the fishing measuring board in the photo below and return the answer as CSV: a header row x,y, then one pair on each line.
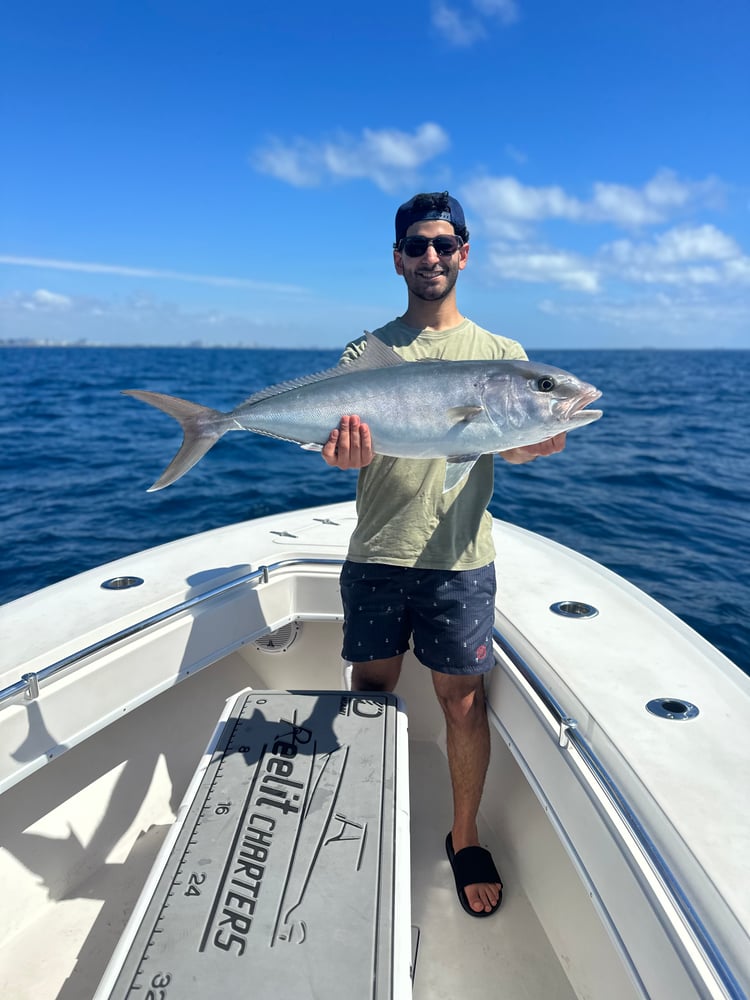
x,y
286,872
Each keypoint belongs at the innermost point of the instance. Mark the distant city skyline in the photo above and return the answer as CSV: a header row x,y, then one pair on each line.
x,y
230,175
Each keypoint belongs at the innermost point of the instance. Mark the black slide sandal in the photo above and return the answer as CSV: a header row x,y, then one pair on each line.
x,y
470,866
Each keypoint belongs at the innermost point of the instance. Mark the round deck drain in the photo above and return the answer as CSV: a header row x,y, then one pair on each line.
x,y
280,640
122,582
672,708
574,609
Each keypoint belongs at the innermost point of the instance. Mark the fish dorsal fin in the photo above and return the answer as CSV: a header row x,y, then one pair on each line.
x,y
457,469
376,354
294,383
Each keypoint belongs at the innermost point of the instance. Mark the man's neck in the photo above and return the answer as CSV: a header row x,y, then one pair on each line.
x,y
421,315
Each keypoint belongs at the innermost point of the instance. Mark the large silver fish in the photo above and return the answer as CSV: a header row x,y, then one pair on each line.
x,y
457,410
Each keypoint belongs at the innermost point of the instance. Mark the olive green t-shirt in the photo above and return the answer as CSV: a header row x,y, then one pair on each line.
x,y
403,516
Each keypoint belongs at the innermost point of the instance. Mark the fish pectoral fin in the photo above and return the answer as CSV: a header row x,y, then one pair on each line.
x,y
464,414
457,469
312,446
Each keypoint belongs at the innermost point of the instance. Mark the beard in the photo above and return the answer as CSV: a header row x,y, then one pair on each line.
x,y
429,289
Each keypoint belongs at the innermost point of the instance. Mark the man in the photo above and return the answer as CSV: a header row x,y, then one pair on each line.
x,y
420,562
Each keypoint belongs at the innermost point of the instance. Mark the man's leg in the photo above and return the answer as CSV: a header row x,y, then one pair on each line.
x,y
468,736
376,675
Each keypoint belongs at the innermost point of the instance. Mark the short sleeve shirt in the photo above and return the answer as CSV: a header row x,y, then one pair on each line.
x,y
403,516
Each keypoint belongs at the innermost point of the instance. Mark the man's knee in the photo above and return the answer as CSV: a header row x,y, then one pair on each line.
x,y
461,698
376,675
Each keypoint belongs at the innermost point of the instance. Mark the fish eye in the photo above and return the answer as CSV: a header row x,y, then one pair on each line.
x,y
546,383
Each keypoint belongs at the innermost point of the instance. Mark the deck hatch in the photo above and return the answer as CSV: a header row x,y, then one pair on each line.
x,y
281,878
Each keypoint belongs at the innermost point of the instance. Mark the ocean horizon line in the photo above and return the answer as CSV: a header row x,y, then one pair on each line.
x,y
32,343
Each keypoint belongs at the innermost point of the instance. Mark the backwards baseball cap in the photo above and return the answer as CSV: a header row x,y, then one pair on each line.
x,y
423,207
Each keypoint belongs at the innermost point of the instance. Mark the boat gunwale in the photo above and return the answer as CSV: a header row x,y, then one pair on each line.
x,y
570,737
27,689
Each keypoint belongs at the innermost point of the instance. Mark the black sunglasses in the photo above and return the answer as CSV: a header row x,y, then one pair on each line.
x,y
416,246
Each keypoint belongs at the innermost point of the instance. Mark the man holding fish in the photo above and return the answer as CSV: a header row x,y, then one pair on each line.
x,y
428,399
421,559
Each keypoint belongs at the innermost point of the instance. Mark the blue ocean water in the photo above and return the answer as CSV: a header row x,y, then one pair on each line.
x,y
658,490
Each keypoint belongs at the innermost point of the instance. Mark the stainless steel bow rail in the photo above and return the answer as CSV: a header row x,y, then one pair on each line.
x,y
569,734
27,688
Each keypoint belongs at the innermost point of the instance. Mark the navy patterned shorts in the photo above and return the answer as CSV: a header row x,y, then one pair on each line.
x,y
449,615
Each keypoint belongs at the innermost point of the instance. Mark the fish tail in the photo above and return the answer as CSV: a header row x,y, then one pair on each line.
x,y
201,427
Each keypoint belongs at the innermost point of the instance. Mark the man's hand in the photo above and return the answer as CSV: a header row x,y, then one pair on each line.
x,y
349,446
517,456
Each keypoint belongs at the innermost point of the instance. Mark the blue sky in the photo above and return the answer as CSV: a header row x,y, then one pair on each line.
x,y
228,172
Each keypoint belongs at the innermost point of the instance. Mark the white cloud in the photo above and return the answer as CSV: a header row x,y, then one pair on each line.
x,y
500,199
684,255
387,157
142,319
634,207
463,24
459,29
504,202
286,162
545,266
46,315
622,205
505,10
126,271
687,318
43,300
738,270
683,243
695,243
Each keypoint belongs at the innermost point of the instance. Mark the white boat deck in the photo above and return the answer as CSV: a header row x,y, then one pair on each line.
x,y
93,767
506,956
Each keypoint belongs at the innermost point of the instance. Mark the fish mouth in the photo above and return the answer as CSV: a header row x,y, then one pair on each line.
x,y
577,413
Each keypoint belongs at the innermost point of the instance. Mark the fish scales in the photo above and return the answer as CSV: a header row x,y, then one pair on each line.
x,y
410,410
456,410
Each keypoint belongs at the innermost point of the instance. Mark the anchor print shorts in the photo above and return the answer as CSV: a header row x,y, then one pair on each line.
x,y
449,615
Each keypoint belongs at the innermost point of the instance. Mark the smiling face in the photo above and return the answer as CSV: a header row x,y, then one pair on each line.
x,y
431,277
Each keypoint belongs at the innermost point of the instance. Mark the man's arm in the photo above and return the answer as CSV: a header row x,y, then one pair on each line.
x,y
517,456
349,446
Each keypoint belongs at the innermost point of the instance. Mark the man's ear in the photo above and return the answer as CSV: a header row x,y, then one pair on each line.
x,y
398,262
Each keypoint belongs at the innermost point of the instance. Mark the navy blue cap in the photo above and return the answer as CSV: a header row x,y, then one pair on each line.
x,y
423,207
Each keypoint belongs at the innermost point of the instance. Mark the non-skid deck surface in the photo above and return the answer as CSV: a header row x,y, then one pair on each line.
x,y
280,878
503,957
